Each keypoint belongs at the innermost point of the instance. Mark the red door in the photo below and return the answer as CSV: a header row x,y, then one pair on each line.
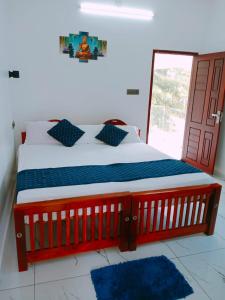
x,y
205,110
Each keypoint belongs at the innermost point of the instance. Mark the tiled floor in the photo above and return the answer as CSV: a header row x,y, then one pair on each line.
x,y
200,258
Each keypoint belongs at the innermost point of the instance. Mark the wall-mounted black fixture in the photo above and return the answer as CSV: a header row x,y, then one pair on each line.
x,y
132,91
14,74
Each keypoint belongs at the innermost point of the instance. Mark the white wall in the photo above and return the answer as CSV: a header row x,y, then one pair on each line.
x,y
6,132
54,86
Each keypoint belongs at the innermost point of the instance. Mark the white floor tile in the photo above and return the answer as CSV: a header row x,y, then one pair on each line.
x,y
67,267
143,251
10,277
220,227
195,244
198,294
209,270
24,293
79,288
221,210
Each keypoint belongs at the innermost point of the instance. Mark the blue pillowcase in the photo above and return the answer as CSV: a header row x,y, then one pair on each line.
x,y
111,135
66,133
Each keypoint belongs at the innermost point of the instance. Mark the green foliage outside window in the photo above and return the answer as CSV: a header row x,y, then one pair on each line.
x,y
169,98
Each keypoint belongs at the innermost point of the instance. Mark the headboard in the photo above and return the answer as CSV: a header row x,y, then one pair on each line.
x,y
111,121
115,122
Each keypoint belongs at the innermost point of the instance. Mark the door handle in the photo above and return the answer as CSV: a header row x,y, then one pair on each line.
x,y
218,116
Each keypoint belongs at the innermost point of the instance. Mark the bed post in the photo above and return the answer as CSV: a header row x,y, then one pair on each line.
x,y
20,240
125,224
213,208
133,225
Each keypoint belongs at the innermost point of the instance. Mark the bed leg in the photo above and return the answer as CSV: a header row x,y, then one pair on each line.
x,y
212,210
20,240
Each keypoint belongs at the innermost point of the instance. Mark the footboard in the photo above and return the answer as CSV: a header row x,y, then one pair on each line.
x,y
57,228
164,214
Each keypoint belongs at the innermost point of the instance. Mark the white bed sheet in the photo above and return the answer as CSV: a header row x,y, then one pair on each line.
x,y
52,156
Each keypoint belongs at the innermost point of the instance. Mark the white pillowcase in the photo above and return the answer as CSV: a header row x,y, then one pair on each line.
x,y
36,134
133,136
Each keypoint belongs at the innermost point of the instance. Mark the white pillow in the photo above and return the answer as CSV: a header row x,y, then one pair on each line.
x,y
92,130
133,136
36,133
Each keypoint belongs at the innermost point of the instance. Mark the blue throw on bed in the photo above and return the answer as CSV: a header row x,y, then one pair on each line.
x,y
65,176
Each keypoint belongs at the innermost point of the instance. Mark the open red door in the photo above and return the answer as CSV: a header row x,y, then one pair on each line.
x,y
205,111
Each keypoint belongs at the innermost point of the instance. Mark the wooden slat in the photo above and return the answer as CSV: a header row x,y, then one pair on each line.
x,y
156,204
193,210
199,209
148,220
141,222
181,211
31,227
162,214
50,230
168,213
175,212
41,230
187,211
116,218
93,223
108,221
84,225
59,229
67,227
100,222
76,227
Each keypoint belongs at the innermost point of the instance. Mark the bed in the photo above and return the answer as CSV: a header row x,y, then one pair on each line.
x,y
56,221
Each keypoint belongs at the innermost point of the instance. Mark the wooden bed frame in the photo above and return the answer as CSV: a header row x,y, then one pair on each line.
x,y
56,228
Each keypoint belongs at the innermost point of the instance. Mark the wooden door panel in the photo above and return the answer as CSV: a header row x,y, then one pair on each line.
x,y
194,138
206,149
206,97
215,91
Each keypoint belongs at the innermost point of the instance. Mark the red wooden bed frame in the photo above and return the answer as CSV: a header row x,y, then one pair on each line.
x,y
56,228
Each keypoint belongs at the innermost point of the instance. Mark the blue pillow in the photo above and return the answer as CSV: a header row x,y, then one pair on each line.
x,y
111,135
66,133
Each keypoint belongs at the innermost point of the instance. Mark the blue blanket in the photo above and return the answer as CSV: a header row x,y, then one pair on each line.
x,y
121,172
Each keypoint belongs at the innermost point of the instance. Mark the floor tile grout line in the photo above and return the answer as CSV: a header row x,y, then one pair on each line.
x,y
194,279
65,278
205,251
15,288
104,250
201,252
188,271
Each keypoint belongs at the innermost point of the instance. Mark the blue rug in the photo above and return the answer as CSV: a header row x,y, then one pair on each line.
x,y
154,278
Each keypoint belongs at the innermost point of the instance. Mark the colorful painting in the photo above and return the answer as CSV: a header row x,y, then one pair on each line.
x,y
83,46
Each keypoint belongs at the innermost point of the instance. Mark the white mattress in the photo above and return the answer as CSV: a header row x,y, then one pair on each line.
x,y
50,156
